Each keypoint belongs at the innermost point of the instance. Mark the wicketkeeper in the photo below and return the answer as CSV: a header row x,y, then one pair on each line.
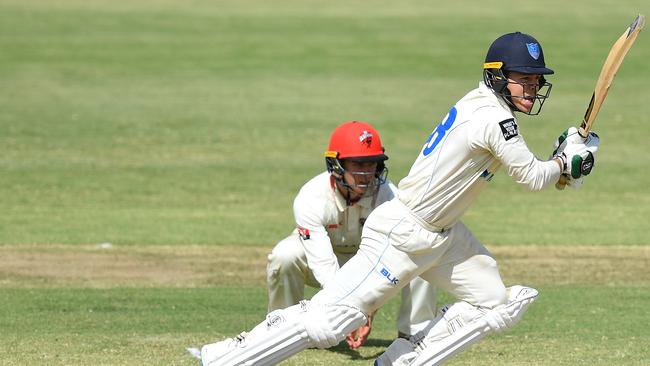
x,y
329,211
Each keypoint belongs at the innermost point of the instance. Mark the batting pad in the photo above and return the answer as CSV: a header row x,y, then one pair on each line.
x,y
467,324
285,333
460,326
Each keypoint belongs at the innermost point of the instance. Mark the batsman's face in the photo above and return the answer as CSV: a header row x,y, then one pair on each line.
x,y
523,89
359,175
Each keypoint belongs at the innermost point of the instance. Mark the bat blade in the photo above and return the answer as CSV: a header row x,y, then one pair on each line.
x,y
608,72
610,67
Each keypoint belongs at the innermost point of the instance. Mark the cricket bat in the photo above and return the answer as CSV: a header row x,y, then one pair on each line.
x,y
610,67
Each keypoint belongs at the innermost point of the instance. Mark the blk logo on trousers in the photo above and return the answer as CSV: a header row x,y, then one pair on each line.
x,y
384,272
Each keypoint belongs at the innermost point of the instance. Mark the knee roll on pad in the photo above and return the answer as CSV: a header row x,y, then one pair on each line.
x,y
519,297
505,316
327,325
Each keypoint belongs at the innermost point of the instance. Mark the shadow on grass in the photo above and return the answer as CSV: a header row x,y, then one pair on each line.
x,y
343,348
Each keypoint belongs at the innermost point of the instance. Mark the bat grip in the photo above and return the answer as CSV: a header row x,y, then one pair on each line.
x,y
583,131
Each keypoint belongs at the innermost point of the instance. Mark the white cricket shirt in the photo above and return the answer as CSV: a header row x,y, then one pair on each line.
x,y
478,135
326,224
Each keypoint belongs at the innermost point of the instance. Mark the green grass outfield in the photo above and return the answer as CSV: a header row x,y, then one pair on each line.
x,y
181,130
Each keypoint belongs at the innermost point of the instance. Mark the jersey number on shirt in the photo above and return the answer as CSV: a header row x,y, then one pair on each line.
x,y
440,131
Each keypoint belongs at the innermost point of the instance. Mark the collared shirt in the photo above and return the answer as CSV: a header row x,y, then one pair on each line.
x,y
478,135
327,225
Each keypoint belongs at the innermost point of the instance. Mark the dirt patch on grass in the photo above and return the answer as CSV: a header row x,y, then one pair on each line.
x,y
580,265
204,266
154,266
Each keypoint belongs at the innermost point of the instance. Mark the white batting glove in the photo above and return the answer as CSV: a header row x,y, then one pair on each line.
x,y
576,153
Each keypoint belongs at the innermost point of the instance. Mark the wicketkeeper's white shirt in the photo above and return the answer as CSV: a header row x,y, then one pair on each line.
x,y
478,135
326,224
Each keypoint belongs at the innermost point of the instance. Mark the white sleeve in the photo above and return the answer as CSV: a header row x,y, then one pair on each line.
x,y
311,223
508,146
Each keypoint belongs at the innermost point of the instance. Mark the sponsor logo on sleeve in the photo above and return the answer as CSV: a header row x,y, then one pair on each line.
x,y
304,233
509,128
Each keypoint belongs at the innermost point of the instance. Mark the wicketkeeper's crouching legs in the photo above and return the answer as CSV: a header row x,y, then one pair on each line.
x,y
285,333
456,328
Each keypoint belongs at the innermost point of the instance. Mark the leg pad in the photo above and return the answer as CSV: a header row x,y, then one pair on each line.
x,y
456,328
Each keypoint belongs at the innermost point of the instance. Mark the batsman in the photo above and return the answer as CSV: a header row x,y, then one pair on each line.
x,y
419,233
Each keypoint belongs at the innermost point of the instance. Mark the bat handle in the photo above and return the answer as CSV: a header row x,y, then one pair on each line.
x,y
583,130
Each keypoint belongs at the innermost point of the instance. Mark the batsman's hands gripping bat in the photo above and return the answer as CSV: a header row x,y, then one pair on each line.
x,y
610,67
577,154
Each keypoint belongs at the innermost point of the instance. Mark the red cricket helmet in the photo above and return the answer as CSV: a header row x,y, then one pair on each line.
x,y
357,141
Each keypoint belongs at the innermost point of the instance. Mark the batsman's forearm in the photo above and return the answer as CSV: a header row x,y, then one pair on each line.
x,y
537,175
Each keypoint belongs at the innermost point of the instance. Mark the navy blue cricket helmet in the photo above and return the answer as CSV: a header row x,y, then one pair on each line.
x,y
517,52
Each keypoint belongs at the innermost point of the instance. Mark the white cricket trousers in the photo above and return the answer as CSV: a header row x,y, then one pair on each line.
x,y
288,273
396,248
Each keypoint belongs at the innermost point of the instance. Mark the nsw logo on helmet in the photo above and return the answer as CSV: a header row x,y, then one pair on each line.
x,y
366,138
533,50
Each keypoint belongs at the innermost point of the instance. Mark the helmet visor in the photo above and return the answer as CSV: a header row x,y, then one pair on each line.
x,y
368,159
530,70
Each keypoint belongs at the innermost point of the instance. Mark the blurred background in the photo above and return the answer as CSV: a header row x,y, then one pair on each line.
x,y
171,122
